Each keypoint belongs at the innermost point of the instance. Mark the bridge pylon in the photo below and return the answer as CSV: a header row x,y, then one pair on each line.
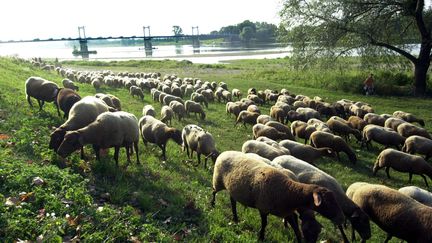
x,y
195,39
148,47
84,52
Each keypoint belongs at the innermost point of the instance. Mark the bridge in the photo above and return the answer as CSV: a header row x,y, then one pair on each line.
x,y
83,40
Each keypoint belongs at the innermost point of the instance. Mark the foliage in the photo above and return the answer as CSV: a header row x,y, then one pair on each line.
x,y
258,31
344,28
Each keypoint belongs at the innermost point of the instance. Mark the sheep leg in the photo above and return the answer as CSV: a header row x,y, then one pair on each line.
x,y
345,239
40,104
136,151
424,178
162,146
116,154
29,101
199,158
352,233
293,221
388,171
58,110
234,209
410,177
263,225
205,162
96,150
128,152
212,202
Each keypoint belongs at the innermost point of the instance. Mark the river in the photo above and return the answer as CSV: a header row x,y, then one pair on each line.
x,y
209,54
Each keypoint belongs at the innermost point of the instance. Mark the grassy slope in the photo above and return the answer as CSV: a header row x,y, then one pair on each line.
x,y
156,200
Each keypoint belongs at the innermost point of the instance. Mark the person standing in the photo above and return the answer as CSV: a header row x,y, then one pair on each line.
x,y
369,85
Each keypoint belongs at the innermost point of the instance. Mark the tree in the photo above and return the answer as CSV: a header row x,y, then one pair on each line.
x,y
178,31
376,26
246,34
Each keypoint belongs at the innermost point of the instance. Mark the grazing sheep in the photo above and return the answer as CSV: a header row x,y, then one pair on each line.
x,y
381,135
268,131
302,130
192,106
96,84
69,84
81,114
135,90
323,139
109,100
253,108
356,122
110,129
264,149
149,110
281,128
418,144
255,184
408,129
154,131
408,117
342,128
66,98
395,213
309,174
293,116
236,93
306,152
200,141
115,101
278,114
402,162
394,123
263,119
309,113
420,195
247,117
42,90
166,114
373,118
252,91
199,98
168,98
178,108
226,96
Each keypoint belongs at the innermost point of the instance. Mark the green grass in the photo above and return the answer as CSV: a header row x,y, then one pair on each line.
x,y
156,200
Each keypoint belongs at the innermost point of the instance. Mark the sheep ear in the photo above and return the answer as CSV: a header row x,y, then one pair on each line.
x,y
329,151
317,199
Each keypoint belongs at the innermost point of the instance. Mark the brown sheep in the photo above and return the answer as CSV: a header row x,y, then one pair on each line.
x,y
408,129
323,139
408,117
278,114
342,128
418,144
192,106
247,117
306,152
281,128
393,123
381,135
66,98
269,132
42,90
302,130
357,123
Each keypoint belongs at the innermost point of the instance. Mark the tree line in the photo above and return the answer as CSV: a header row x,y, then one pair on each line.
x,y
248,31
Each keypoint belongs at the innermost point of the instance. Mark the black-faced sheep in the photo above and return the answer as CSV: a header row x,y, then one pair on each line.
x,y
381,135
194,107
323,139
306,152
255,184
110,129
66,98
42,90
403,162
309,174
408,129
149,110
420,195
418,144
135,90
157,132
395,213
200,141
408,117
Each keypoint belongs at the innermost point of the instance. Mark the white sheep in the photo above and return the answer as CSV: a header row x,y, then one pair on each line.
x,y
418,144
202,142
263,149
149,110
417,193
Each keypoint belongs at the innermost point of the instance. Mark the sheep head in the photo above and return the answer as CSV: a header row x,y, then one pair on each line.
x,y
71,142
175,135
56,138
325,203
360,222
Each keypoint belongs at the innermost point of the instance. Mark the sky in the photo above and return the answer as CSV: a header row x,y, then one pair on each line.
x,y
30,19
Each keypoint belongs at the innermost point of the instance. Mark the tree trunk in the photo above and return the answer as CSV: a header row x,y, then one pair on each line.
x,y
420,78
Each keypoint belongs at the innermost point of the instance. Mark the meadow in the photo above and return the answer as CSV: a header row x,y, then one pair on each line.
x,y
159,200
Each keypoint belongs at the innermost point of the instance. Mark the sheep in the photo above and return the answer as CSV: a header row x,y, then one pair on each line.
x,y
96,84
42,90
309,174
252,91
66,98
199,98
81,114
110,129
281,128
393,123
255,184
168,98
263,149
192,106
232,108
323,139
135,90
356,122
208,94
149,110
69,84
247,117
373,118
293,116
342,128
154,131
306,152
226,96
420,195
408,117
253,108
236,93
110,100
402,162
270,132
381,135
418,144
309,112
278,114
166,114
263,119
302,130
408,129
178,108
393,212
115,101
200,141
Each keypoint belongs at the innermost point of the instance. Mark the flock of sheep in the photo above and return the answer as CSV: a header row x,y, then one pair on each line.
x,y
273,173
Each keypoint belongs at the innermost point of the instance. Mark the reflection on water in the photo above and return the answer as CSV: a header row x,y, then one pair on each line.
x,y
204,54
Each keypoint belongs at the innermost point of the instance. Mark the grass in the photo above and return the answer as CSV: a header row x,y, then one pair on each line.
x,y
156,200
